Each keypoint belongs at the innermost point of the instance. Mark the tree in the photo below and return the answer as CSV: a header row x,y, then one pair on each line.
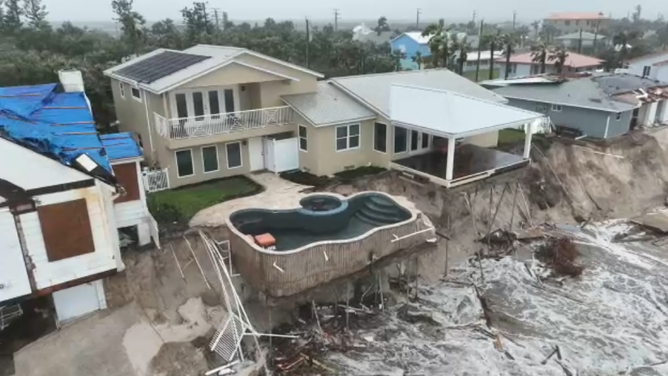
x,y
536,27
36,13
623,42
662,35
462,48
636,15
549,32
382,25
227,24
131,23
164,34
418,59
12,19
539,54
439,43
197,21
398,56
493,41
508,50
559,56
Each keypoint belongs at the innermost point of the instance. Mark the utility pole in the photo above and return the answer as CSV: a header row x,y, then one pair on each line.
x,y
514,19
580,42
308,41
477,67
474,14
215,14
598,23
417,18
336,19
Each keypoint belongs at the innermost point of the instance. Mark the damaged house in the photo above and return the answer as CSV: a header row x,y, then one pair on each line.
x,y
64,193
595,105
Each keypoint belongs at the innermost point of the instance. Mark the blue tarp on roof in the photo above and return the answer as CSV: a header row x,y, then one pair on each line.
x,y
59,125
120,146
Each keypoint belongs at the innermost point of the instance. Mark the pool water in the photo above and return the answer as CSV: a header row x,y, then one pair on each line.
x,y
321,218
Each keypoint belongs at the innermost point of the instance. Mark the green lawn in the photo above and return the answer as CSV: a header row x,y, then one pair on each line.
x,y
482,75
510,136
181,204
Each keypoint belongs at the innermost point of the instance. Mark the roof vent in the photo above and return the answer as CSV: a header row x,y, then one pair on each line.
x,y
72,81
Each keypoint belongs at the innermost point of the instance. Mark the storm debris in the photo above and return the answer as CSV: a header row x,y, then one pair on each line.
x,y
559,254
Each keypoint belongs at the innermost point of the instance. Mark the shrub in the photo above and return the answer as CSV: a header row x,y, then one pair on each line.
x,y
559,255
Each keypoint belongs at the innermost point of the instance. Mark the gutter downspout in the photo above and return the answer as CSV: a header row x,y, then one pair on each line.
x,y
607,125
148,124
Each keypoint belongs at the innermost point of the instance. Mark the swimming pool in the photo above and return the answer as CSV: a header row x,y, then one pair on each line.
x,y
321,218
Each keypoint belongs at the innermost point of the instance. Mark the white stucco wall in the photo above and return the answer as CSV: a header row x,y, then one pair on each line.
x,y
14,280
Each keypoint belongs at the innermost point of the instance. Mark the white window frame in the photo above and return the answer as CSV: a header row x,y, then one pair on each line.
x,y
556,108
618,117
241,156
121,87
176,162
299,127
132,93
374,136
217,159
348,148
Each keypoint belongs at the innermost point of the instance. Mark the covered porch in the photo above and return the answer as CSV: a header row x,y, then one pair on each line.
x,y
453,118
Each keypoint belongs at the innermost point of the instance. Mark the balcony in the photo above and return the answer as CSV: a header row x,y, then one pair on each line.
x,y
222,124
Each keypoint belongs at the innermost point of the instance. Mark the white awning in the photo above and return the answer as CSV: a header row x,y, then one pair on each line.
x,y
449,114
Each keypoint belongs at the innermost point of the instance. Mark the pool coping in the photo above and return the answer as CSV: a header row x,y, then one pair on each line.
x,y
414,216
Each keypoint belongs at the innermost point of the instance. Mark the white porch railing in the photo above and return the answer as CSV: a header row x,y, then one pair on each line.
x,y
209,125
155,180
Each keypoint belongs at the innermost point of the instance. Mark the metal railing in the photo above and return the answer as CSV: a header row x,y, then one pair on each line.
x,y
209,125
8,314
155,180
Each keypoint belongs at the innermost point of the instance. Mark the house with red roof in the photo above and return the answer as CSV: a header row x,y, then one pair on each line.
x,y
654,66
570,22
523,64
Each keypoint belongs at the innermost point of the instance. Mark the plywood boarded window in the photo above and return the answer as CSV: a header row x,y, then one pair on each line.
x,y
126,175
66,229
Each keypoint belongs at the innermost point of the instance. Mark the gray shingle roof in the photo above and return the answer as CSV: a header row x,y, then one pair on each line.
x,y
374,89
596,91
328,105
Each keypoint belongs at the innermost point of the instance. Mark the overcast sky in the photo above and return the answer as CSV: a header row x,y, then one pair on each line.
x,y
153,10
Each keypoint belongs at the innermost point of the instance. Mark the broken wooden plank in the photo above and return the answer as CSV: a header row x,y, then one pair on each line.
x,y
656,221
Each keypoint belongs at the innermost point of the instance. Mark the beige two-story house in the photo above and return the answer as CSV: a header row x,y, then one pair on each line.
x,y
204,113
211,112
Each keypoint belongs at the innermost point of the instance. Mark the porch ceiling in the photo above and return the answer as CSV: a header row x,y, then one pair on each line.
x,y
450,114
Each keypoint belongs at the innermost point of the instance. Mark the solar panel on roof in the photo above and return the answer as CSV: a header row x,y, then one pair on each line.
x,y
159,66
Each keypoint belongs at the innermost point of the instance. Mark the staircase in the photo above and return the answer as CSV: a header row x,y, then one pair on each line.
x,y
379,211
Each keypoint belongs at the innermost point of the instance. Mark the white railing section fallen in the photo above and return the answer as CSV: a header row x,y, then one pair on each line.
x,y
155,180
161,125
209,125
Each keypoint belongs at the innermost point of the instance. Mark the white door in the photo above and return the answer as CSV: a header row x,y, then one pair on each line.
x,y
79,300
256,153
13,273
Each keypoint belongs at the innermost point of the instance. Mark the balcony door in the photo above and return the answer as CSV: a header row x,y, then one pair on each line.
x,y
200,105
419,142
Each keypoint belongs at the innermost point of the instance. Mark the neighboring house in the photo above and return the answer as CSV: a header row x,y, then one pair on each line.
x,y
654,66
472,60
363,33
598,105
572,40
366,120
566,23
58,198
410,43
523,64
208,112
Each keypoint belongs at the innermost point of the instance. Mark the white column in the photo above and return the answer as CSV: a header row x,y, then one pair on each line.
x,y
450,168
144,233
650,114
663,115
527,140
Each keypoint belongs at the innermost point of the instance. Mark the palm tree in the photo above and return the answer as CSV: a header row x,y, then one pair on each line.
x,y
417,58
495,40
622,43
559,56
463,48
536,26
539,54
508,50
439,43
